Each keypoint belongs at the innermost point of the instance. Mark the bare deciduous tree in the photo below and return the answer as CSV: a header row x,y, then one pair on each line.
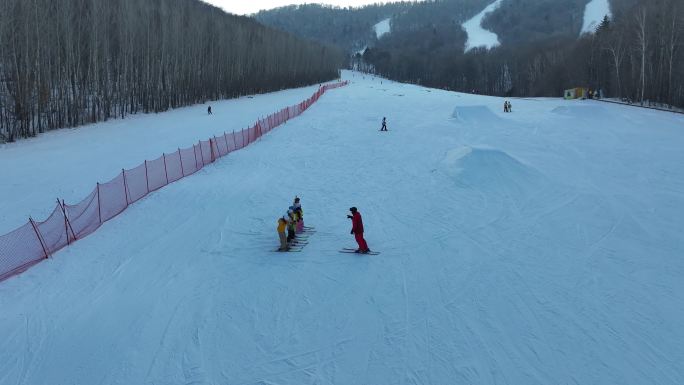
x,y
70,62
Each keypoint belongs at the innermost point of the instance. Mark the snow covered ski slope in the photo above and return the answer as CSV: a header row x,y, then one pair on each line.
x,y
537,247
594,13
72,160
478,36
382,28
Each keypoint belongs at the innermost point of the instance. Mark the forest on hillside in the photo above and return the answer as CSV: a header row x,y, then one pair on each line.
x,y
520,21
637,55
71,62
347,27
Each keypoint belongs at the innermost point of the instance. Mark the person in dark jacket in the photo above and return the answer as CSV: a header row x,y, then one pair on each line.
x,y
209,110
384,124
357,230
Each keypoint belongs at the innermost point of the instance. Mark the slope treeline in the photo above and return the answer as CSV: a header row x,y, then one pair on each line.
x,y
638,55
519,21
347,27
71,62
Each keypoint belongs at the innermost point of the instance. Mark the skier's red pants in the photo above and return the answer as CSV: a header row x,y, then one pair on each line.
x,y
362,242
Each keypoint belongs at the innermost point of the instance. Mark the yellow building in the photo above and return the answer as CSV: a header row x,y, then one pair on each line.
x,y
577,93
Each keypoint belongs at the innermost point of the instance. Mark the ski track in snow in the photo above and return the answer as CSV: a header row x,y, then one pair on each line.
x,y
537,247
478,36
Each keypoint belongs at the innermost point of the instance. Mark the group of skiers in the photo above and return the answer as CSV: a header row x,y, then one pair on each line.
x,y
293,223
507,106
293,220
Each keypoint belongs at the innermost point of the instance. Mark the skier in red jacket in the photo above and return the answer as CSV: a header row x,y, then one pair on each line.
x,y
357,230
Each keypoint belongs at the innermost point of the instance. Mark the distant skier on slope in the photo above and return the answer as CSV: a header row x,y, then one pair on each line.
x,y
384,124
209,110
357,230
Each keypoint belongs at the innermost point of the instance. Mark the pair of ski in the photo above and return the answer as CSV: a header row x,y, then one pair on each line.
x,y
350,250
300,241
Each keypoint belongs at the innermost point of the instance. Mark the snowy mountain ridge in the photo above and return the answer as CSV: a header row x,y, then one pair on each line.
x,y
483,21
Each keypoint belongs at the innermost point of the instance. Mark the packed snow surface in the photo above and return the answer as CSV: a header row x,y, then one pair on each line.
x,y
478,36
594,13
542,246
382,28
66,164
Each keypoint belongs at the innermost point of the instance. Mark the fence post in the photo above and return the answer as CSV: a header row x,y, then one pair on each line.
x,y
73,233
201,152
211,149
195,153
181,162
225,139
125,185
99,209
40,238
166,173
66,221
147,181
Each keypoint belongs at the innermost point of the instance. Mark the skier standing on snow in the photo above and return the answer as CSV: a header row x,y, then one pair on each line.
x,y
384,124
282,224
357,230
300,213
209,110
290,226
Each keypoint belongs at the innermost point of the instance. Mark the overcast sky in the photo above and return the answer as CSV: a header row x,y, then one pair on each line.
x,y
243,7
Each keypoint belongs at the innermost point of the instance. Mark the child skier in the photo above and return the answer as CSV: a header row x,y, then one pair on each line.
x,y
357,230
300,215
282,224
290,226
384,124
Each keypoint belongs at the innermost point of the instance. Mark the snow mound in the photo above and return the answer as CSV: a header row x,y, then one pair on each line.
x,y
474,114
491,170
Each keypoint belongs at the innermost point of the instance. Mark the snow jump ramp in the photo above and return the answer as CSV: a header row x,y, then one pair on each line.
x,y
492,170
